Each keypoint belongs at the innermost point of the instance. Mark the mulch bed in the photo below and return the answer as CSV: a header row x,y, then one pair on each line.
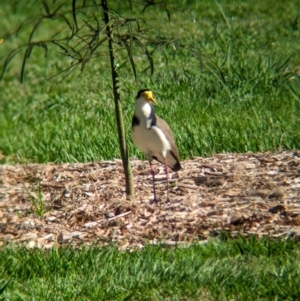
x,y
85,203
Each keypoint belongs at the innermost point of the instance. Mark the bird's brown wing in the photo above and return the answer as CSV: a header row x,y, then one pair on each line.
x,y
166,129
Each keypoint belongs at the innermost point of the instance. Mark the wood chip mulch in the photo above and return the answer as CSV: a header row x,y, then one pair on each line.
x,y
86,203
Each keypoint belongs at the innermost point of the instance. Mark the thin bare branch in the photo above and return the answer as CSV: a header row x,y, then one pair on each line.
x,y
82,46
8,59
26,57
46,8
34,29
131,60
149,56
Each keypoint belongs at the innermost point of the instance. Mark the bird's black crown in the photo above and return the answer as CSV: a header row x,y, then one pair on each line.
x,y
140,92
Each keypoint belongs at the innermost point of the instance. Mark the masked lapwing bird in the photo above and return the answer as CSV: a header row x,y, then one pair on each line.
x,y
153,136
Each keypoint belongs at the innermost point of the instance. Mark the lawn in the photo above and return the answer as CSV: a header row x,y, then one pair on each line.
x,y
222,269
232,86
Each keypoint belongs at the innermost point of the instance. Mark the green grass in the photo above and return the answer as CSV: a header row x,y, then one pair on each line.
x,y
241,269
235,88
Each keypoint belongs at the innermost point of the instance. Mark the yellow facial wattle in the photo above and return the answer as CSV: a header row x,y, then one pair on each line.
x,y
149,97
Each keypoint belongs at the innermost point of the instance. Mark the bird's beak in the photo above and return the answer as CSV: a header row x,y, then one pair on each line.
x,y
149,96
152,100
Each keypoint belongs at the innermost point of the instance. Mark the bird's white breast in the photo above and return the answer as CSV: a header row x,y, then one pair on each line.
x,y
151,140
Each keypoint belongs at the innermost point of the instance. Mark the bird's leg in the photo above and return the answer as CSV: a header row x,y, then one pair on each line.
x,y
153,179
167,175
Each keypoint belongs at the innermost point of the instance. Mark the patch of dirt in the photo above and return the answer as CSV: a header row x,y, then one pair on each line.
x,y
86,203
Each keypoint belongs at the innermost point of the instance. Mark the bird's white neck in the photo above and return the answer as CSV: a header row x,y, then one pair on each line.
x,y
142,108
